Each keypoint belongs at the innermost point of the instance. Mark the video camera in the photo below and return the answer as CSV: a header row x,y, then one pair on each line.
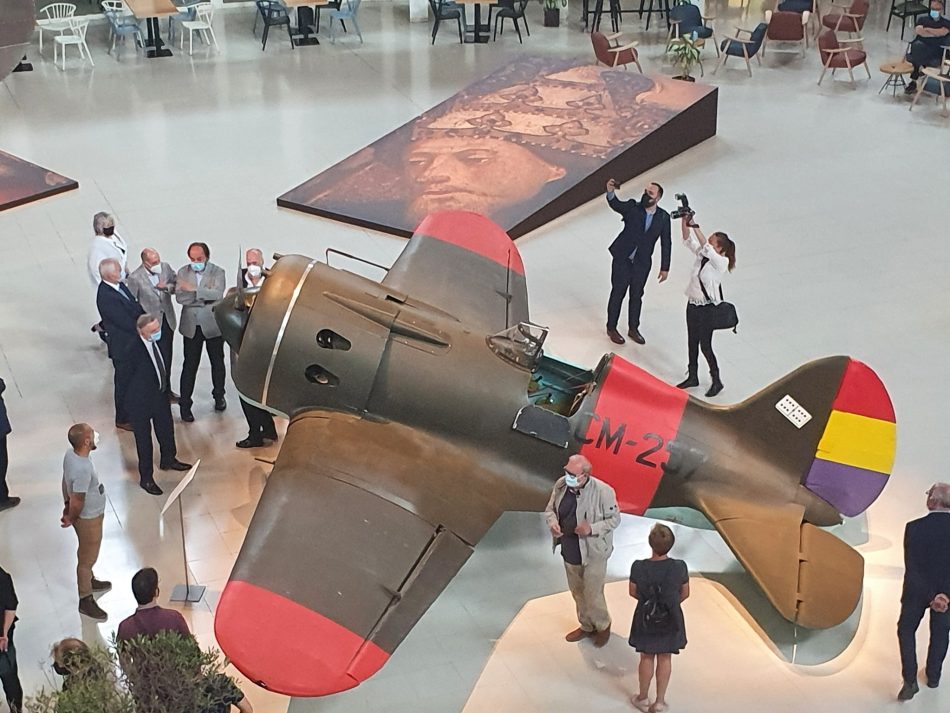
x,y
684,210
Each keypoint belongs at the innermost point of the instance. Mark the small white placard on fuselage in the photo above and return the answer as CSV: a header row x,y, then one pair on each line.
x,y
791,410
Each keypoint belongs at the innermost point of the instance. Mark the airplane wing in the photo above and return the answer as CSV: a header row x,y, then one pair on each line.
x,y
812,577
360,527
467,266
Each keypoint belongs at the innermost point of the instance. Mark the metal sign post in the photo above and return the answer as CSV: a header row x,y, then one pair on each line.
x,y
186,592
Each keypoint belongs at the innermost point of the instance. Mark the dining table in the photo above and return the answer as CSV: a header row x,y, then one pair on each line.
x,y
151,11
304,27
478,32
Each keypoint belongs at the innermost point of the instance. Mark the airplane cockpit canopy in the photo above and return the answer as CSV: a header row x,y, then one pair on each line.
x,y
520,344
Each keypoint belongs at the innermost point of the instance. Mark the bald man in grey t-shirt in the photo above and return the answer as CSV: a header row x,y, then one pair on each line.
x,y
84,510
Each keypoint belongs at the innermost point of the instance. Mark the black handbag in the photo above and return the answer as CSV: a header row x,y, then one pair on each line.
x,y
722,315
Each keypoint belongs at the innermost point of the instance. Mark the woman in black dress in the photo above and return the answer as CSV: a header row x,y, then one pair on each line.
x,y
659,585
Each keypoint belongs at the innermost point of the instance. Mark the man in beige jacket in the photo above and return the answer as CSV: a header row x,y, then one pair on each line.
x,y
582,515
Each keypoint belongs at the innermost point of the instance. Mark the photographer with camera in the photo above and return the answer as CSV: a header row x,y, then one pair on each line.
x,y
643,223
715,257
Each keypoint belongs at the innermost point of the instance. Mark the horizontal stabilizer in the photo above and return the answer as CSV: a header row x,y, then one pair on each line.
x,y
810,576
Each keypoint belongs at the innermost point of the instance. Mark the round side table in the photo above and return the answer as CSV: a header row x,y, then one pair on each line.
x,y
895,72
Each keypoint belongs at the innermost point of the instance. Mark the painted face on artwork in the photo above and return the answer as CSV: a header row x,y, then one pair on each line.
x,y
481,175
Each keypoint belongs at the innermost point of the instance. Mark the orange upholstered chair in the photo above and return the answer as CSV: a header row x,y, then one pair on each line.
x,y
609,51
834,56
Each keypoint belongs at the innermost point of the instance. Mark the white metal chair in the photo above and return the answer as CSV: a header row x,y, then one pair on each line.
x,y
55,19
204,13
186,12
75,35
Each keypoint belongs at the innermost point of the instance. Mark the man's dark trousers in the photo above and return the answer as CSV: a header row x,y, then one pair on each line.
x,y
907,624
260,423
192,357
10,681
627,276
156,412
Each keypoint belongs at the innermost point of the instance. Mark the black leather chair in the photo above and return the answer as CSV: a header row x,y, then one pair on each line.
x,y
273,14
511,10
443,10
903,10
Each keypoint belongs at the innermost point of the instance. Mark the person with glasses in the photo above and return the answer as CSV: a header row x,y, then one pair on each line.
x,y
582,515
926,587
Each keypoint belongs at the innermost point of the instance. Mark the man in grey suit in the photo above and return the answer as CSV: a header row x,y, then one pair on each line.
x,y
198,285
153,284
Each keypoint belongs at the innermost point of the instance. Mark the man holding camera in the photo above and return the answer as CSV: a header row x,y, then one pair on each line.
x,y
643,223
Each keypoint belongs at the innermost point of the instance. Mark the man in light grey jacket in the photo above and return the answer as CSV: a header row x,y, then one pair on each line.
x,y
198,285
582,514
153,284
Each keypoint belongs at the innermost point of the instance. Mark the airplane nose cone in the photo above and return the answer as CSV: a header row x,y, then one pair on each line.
x,y
231,314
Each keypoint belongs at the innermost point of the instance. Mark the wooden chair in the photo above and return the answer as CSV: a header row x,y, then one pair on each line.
x,y
834,56
933,82
848,18
903,10
802,6
786,27
609,51
747,49
686,20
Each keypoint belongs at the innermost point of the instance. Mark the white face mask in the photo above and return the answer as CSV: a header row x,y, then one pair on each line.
x,y
254,271
156,269
95,439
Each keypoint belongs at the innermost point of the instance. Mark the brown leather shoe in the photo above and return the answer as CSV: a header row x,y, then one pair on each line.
x,y
602,637
615,336
635,335
577,635
88,607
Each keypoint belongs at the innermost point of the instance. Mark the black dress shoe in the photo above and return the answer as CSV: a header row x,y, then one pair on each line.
x,y
908,691
10,502
933,682
175,465
688,383
615,336
124,426
151,487
250,443
714,389
635,335
186,415
220,404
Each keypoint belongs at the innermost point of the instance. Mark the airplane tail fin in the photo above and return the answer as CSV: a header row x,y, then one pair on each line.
x,y
830,423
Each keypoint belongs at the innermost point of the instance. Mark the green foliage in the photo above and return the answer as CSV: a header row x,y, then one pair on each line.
x,y
685,53
166,673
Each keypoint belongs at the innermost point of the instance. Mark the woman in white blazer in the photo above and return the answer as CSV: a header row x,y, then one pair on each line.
x,y
715,257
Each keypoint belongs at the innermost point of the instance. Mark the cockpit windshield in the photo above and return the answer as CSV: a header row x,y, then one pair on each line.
x,y
521,344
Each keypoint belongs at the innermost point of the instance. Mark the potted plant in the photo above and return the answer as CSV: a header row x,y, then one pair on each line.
x,y
552,12
685,51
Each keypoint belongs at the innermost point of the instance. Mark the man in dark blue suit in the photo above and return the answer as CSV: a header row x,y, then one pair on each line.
x,y
118,309
148,402
644,222
926,586
6,500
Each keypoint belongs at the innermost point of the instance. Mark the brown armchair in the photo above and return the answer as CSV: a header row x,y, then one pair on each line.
x,y
786,27
834,56
847,18
609,51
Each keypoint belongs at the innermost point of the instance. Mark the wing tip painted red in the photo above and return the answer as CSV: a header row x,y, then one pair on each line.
x,y
288,648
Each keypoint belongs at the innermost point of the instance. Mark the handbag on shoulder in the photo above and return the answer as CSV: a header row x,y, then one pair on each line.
x,y
722,315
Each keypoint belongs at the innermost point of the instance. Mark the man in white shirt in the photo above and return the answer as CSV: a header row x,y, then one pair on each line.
x,y
106,245
260,423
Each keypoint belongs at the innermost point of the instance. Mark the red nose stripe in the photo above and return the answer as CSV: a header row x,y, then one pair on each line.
x,y
288,648
475,233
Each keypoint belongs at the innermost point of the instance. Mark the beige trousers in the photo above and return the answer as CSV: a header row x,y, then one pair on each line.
x,y
586,582
89,534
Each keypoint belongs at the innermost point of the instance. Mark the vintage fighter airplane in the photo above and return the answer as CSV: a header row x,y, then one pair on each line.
x,y
423,406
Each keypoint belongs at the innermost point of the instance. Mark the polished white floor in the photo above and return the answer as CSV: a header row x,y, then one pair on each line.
x,y
833,195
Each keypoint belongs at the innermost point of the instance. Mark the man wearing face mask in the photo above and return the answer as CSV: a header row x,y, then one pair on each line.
x,y
106,245
260,423
149,404
198,286
84,510
932,35
644,222
153,284
119,309
582,514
